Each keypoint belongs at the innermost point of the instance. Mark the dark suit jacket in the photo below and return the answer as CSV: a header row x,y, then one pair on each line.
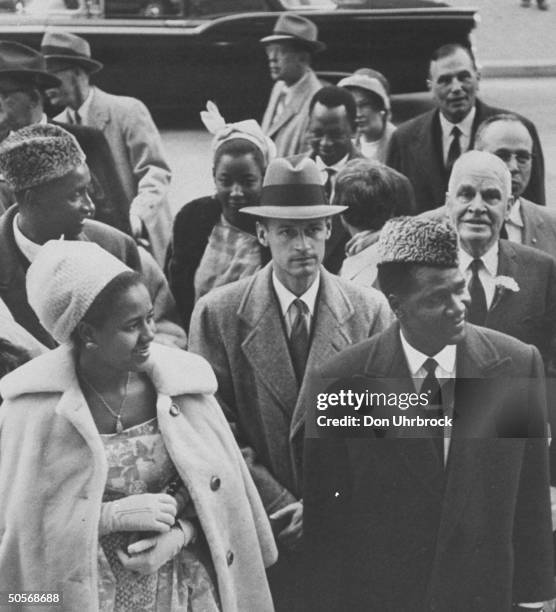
x,y
387,527
335,245
190,235
107,191
539,227
416,151
14,266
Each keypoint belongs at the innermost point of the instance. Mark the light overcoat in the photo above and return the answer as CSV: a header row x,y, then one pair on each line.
x,y
136,146
238,329
53,471
288,130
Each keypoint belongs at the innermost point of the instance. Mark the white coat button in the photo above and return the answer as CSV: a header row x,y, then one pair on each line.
x,y
214,483
229,557
174,410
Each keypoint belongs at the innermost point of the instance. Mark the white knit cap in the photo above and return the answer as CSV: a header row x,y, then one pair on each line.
x,y
63,281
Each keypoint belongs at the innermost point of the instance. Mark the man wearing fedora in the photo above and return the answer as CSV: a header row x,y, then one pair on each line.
x,y
128,127
23,79
261,334
289,49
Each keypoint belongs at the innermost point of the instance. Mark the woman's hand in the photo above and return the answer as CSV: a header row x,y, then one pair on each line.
x,y
291,533
159,550
143,512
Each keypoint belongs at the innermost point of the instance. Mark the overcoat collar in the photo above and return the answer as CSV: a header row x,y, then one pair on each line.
x,y
265,345
99,109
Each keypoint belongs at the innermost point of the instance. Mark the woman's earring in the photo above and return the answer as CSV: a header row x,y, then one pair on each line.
x,y
90,346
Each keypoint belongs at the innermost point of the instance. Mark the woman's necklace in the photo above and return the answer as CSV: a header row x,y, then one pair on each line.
x,y
116,415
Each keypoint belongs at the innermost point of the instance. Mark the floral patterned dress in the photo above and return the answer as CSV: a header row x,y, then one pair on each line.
x,y
139,463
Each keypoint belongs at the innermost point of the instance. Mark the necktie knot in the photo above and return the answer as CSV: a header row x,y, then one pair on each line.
x,y
455,148
456,132
300,307
430,366
476,265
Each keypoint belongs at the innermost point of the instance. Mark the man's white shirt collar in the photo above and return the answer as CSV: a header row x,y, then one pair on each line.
x,y
29,248
465,125
489,259
446,360
515,213
286,297
83,110
337,166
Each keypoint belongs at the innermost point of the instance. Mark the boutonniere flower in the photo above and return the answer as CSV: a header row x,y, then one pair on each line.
x,y
506,283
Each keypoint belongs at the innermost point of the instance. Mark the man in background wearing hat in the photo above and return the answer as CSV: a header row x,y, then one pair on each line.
x,y
455,517
261,334
425,147
46,169
23,79
289,50
128,127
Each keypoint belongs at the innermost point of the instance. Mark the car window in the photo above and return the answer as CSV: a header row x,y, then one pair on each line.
x,y
203,8
309,4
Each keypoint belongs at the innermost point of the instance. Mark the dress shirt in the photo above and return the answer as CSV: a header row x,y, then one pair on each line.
x,y
446,369
29,248
286,297
83,110
487,273
514,223
465,126
336,167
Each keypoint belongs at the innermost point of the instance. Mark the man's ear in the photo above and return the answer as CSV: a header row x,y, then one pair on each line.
x,y
509,205
395,305
328,222
261,232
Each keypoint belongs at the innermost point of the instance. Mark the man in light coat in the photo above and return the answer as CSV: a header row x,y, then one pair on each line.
x,y
261,335
289,50
128,127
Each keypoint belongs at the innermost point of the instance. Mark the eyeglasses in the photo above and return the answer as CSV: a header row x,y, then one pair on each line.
x,y
521,157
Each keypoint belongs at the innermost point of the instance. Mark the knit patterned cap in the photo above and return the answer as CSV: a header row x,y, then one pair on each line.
x,y
63,281
417,240
37,154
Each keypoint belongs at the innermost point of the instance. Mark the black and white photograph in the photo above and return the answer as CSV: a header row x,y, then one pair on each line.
x,y
277,305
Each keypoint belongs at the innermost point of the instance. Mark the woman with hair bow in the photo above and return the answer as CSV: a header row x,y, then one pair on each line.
x,y
121,485
212,243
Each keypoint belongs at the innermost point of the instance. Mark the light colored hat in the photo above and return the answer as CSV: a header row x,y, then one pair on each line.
x,y
417,240
22,62
37,154
367,83
63,281
293,193
245,130
69,48
295,28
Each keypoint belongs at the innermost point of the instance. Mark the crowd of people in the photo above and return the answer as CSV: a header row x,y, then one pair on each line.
x,y
171,437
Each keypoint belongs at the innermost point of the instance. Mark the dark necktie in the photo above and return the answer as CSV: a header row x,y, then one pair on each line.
x,y
434,410
75,118
455,148
478,308
330,172
299,338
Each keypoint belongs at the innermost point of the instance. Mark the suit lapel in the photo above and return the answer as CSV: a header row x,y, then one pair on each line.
x,y
507,266
333,310
265,345
298,94
420,456
429,138
477,358
532,224
98,111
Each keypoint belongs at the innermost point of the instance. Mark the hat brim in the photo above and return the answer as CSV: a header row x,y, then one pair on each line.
x,y
307,212
43,80
315,45
90,65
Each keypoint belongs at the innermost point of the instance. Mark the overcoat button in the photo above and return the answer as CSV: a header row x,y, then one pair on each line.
x,y
229,557
215,483
174,410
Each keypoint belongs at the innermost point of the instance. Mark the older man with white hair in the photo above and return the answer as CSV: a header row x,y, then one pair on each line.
x,y
512,286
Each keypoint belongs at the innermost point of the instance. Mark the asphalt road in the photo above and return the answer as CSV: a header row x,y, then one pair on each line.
x,y
190,155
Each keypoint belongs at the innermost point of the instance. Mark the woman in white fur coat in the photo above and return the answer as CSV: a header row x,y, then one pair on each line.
x,y
121,485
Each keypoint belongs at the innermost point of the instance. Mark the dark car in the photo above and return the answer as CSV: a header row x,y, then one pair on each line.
x,y
210,50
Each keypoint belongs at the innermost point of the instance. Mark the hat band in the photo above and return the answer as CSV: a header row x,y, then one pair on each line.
x,y
51,50
293,195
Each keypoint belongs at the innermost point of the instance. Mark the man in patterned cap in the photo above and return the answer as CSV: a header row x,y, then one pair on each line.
x,y
441,513
45,168
262,333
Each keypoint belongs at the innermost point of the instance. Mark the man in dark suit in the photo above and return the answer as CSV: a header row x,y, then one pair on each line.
x,y
23,79
261,333
512,286
425,148
421,518
507,137
330,135
46,169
